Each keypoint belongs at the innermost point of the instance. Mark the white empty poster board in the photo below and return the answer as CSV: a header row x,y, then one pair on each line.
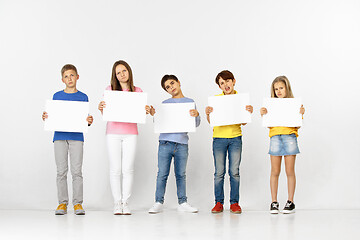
x,y
174,117
125,106
66,116
284,112
229,109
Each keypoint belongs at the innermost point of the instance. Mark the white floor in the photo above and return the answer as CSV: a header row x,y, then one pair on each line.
x,y
304,224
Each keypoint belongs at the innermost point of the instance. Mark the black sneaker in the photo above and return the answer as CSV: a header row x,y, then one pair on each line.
x,y
289,207
274,208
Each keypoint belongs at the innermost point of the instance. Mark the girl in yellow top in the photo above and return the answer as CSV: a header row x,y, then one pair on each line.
x,y
283,142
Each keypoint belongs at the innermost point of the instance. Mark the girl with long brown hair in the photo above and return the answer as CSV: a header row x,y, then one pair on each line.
x,y
121,141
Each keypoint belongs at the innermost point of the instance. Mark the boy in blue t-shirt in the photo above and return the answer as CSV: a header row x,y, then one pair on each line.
x,y
173,145
69,143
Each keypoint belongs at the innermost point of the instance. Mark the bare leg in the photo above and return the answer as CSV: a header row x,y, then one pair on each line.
x,y
290,173
274,177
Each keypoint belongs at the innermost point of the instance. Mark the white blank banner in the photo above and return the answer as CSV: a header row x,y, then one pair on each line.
x,y
174,117
229,109
66,116
125,106
282,112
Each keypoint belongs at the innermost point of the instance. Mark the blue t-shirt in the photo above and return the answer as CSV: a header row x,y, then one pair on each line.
x,y
183,137
78,96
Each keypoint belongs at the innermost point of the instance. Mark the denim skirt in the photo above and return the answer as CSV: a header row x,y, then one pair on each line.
x,y
283,145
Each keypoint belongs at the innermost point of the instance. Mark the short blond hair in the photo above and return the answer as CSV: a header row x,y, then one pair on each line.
x,y
67,67
283,79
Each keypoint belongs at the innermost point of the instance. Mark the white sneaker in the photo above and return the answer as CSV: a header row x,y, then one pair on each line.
x,y
185,207
118,209
126,209
156,208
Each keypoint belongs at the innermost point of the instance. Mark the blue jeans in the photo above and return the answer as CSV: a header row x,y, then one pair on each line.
x,y
167,151
222,147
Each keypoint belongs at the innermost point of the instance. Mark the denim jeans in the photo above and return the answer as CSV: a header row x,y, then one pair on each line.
x,y
167,151
222,147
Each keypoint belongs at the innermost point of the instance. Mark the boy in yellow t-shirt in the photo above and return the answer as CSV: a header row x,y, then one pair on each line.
x,y
227,140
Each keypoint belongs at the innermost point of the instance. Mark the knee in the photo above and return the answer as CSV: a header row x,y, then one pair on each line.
x,y
127,169
234,170
180,176
290,172
219,173
76,173
275,172
128,172
162,175
234,173
62,172
115,172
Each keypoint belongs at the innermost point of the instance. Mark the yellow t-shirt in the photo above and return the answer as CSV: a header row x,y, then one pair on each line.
x,y
283,131
228,131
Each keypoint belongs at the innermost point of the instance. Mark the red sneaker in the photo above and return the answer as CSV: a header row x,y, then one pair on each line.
x,y
235,208
218,208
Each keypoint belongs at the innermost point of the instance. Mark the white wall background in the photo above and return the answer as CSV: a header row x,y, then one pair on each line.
x,y
314,43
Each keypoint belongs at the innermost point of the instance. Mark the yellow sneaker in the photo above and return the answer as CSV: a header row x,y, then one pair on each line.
x,y
78,209
61,209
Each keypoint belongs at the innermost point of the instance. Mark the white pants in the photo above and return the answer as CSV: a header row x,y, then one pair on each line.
x,y
121,151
